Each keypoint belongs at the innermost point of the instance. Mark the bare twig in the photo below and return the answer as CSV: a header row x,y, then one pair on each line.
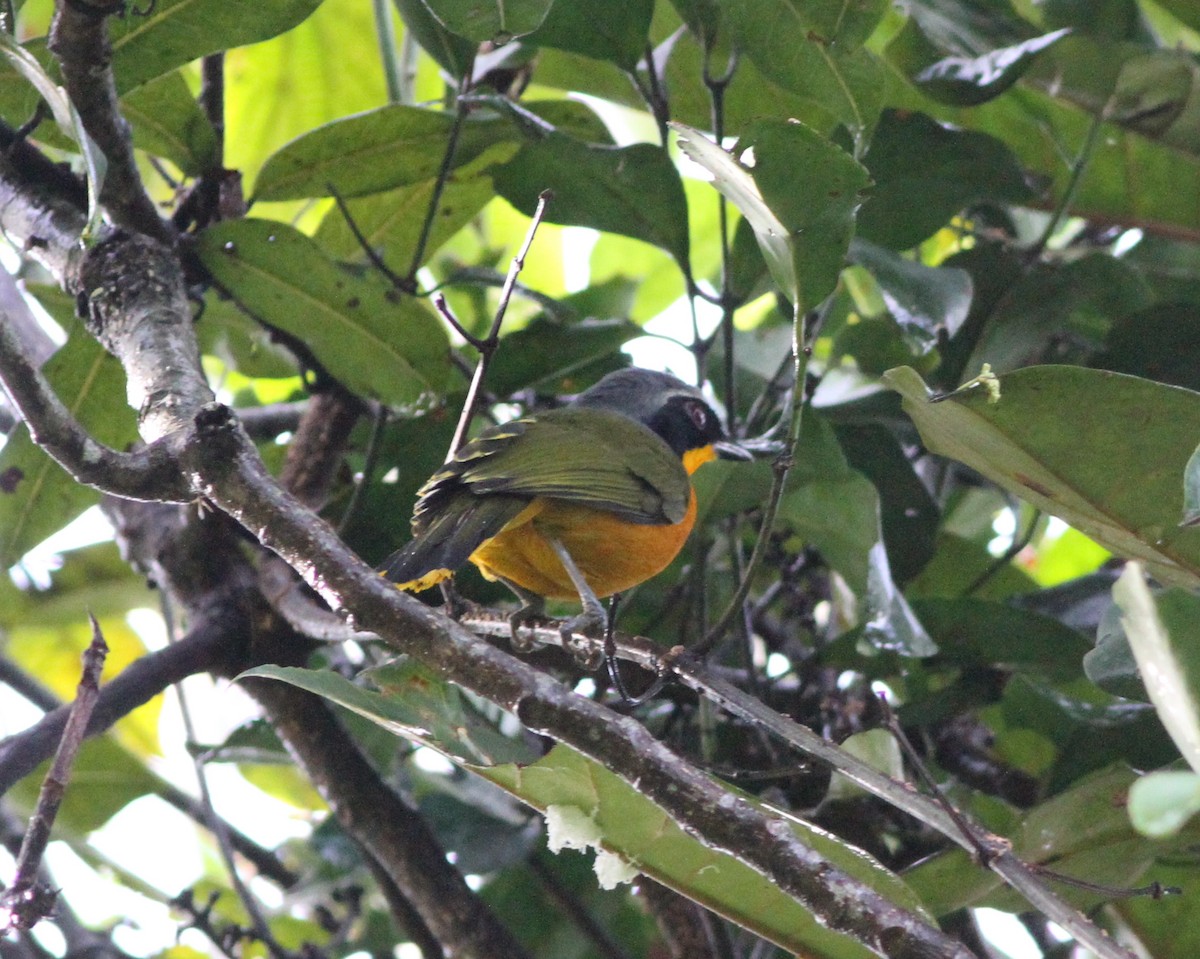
x,y
25,902
141,681
487,347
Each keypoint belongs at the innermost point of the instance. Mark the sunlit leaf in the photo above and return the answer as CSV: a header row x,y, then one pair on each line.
x,y
370,336
168,123
169,33
1161,803
379,150
613,30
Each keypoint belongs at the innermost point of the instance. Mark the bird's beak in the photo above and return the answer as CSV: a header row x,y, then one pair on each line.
x,y
729,450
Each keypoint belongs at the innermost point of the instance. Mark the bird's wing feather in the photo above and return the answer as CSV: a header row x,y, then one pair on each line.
x,y
592,457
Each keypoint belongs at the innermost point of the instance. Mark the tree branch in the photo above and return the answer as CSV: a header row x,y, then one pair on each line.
x,y
148,473
79,39
200,650
230,474
26,902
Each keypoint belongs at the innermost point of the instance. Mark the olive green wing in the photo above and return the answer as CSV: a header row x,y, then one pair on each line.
x,y
591,457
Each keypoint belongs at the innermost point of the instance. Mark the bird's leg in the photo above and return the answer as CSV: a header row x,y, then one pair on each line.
x,y
532,607
590,621
455,606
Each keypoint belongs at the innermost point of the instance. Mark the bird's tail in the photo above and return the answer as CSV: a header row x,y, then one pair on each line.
x,y
446,542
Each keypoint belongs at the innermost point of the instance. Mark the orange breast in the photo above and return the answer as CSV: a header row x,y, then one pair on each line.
x,y
613,554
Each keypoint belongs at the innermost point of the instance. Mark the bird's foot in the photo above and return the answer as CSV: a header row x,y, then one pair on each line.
x,y
522,617
579,634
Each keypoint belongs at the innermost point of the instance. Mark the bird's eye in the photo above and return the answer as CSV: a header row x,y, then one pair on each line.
x,y
698,415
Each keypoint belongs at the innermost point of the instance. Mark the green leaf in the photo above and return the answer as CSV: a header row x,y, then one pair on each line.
x,y
1169,661
1155,341
314,73
1056,304
1119,485
622,821
546,355
970,81
391,222
613,30
239,342
37,497
799,193
924,300
979,632
1161,803
1187,11
453,54
372,338
912,155
490,21
171,33
634,190
908,513
379,150
167,122
815,50
1110,664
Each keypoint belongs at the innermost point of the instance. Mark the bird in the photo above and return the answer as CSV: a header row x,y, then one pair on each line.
x,y
579,502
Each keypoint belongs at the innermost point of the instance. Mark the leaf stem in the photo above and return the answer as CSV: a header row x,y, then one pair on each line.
x,y
443,174
1072,187
389,58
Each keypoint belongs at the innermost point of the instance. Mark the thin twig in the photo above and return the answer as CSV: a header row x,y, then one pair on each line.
x,y
782,466
25,902
447,314
487,348
716,87
399,282
374,443
1081,161
655,95
443,174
